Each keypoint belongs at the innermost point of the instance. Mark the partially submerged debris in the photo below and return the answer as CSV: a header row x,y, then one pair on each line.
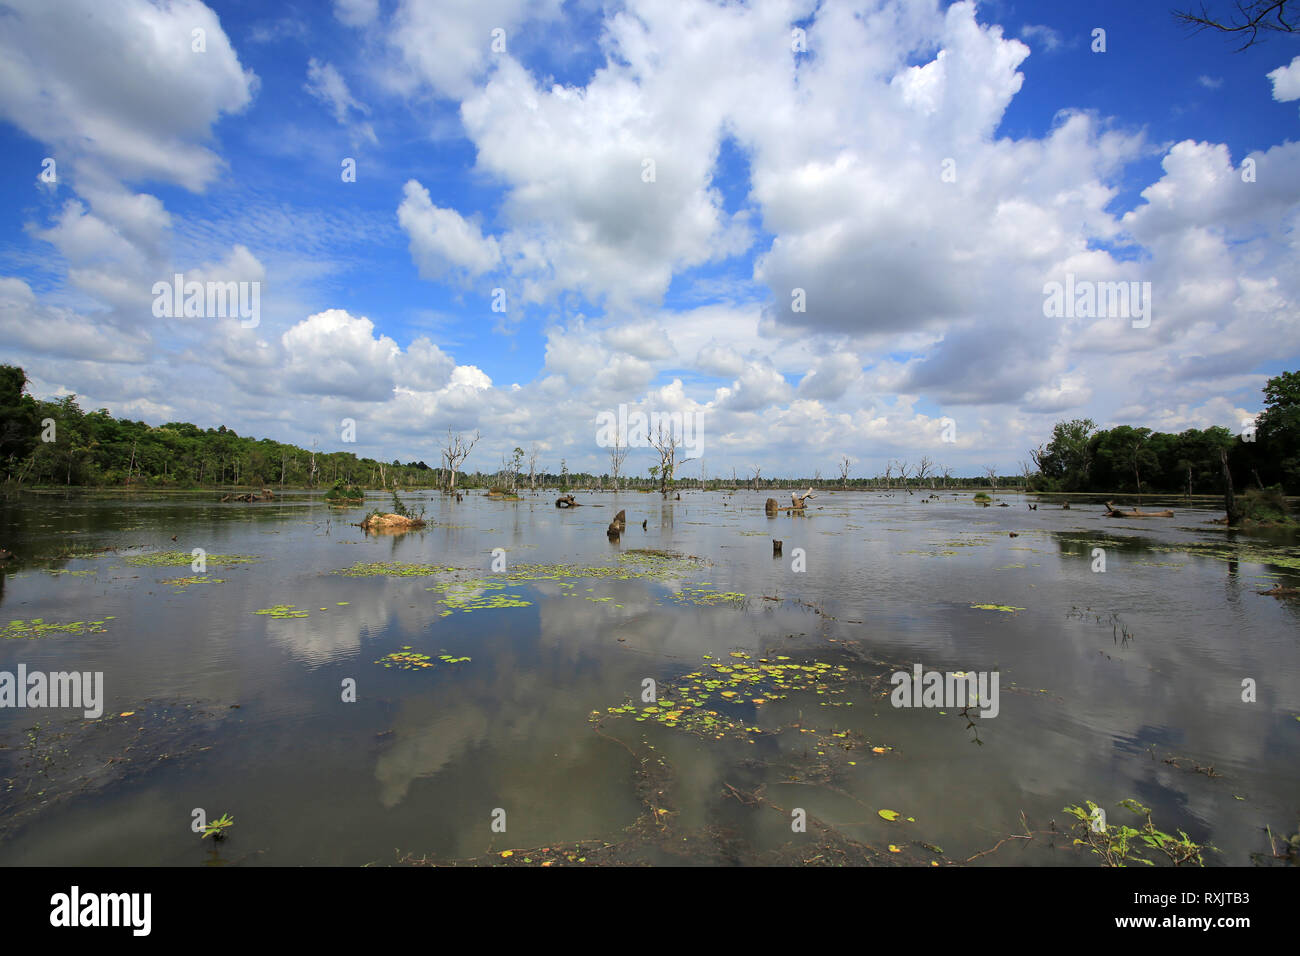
x,y
1113,512
266,495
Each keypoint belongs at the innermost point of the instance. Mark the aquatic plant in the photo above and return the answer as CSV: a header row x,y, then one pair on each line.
x,y
183,583
705,702
217,828
394,569
343,493
39,627
283,612
408,659
171,559
466,596
996,607
706,597
1119,845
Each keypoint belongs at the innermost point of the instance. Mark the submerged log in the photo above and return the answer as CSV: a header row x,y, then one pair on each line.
x,y
249,497
1113,512
566,501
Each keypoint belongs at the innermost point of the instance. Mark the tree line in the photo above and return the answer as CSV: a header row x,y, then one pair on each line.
x,y
56,442
1264,453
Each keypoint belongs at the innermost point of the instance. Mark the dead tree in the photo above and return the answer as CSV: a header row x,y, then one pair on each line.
x,y
1229,498
665,442
946,471
1253,16
992,472
844,472
617,455
924,469
455,452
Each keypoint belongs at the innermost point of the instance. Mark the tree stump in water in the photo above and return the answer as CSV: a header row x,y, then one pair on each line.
x,y
776,548
566,501
771,507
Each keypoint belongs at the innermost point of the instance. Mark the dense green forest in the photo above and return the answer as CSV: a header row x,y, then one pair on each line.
x,y
56,442
1081,457
94,448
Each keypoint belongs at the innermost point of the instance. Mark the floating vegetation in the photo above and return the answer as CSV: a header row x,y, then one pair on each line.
x,y
711,701
85,572
183,583
394,569
468,596
706,597
39,627
171,559
407,659
282,612
996,607
1281,557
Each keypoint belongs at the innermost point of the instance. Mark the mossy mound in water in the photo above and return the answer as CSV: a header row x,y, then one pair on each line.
x,y
343,494
389,523
1264,507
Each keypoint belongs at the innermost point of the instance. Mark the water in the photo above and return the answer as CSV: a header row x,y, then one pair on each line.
x,y
1113,685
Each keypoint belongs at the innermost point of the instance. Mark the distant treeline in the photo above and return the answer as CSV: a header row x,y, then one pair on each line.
x,y
1265,452
56,442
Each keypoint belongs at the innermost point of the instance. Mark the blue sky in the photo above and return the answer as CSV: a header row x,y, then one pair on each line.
x,y
523,170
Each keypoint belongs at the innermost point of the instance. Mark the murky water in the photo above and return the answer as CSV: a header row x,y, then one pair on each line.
x,y
1112,685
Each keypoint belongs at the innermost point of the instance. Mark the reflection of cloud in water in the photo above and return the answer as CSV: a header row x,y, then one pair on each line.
x,y
334,633
424,751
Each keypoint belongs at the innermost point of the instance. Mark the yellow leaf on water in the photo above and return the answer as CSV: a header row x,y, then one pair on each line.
x,y
128,713
890,815
507,853
894,849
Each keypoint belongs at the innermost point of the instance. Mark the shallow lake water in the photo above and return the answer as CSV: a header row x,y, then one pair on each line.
x,y
1115,684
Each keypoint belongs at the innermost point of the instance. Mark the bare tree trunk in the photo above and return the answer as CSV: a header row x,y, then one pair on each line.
x,y
1229,499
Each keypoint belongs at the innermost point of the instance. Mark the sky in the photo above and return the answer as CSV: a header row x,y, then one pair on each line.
x,y
813,230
